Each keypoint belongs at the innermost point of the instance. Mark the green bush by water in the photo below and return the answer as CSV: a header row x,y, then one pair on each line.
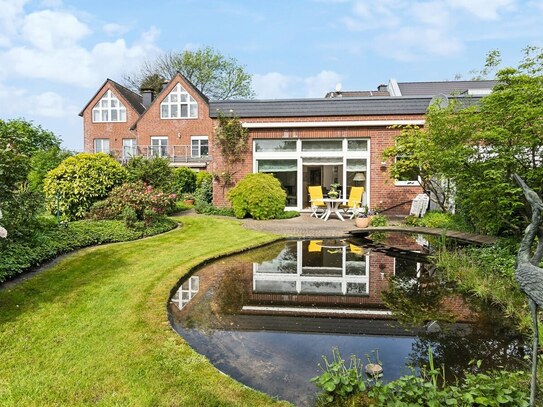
x,y
51,240
259,196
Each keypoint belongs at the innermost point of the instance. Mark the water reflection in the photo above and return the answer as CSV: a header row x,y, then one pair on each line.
x,y
265,317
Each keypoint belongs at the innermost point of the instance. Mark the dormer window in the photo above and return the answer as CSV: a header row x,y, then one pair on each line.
x,y
109,109
179,105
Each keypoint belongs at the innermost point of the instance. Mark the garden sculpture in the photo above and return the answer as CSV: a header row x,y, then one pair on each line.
x,y
528,275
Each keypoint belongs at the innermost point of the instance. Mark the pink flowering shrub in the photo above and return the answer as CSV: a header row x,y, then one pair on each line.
x,y
134,202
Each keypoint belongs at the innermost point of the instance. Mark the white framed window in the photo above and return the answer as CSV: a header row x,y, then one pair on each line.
x,y
199,146
409,177
129,148
159,146
101,145
179,105
109,109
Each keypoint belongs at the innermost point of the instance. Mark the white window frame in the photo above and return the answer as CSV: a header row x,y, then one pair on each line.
x,y
102,111
407,183
104,145
161,148
171,106
199,140
129,149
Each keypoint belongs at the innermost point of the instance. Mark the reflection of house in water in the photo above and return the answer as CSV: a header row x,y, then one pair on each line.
x,y
186,292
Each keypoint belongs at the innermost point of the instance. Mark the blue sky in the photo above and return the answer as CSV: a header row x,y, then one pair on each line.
x,y
54,54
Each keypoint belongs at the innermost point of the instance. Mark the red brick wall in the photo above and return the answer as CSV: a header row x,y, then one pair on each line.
x,y
178,131
115,131
383,192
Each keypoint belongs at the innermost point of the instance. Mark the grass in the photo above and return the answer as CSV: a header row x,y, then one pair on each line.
x,y
93,328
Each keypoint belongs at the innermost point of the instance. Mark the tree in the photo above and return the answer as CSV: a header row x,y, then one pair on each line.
x,y
479,147
19,141
42,162
215,75
81,180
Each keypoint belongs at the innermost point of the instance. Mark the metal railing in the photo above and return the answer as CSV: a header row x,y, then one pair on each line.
x,y
176,153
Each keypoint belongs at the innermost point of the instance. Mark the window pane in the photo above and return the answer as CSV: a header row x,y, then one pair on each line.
x,y
173,98
275,145
114,116
184,111
195,151
204,149
322,145
164,111
357,145
174,111
96,115
104,103
114,103
184,98
105,116
193,110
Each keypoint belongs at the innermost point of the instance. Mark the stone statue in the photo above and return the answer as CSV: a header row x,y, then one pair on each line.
x,y
529,275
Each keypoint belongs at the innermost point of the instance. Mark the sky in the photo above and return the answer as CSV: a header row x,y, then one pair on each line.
x,y
55,54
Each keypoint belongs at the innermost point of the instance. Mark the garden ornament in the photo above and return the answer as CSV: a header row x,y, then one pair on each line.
x,y
3,232
528,275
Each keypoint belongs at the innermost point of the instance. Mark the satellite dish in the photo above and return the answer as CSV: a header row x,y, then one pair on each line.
x,y
338,87
441,101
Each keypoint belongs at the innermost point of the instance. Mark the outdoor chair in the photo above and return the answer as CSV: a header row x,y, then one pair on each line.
x,y
316,200
355,201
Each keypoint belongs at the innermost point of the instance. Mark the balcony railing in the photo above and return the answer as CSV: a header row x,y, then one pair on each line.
x,y
176,154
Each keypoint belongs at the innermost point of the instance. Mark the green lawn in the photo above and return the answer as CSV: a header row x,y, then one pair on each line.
x,y
93,328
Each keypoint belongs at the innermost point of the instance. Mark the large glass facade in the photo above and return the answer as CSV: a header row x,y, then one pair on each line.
x,y
299,164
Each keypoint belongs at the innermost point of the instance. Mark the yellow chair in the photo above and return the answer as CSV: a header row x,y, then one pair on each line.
x,y
356,249
315,199
355,201
314,246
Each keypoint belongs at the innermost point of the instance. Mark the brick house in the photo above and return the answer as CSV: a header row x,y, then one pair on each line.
x,y
336,139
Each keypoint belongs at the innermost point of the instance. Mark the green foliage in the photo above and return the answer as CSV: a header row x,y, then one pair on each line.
x,y
155,171
378,220
478,148
204,187
428,388
81,180
231,138
338,380
215,75
42,162
19,141
288,215
488,273
259,196
443,220
183,180
20,210
205,208
138,204
50,241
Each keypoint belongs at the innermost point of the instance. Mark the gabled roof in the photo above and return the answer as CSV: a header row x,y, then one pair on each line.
x,y
132,98
177,76
442,87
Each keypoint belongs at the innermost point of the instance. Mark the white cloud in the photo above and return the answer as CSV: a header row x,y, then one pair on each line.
x,y
484,9
317,86
434,13
50,104
275,85
412,43
49,30
10,19
115,29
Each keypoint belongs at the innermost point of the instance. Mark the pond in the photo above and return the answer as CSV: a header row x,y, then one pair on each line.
x,y
266,317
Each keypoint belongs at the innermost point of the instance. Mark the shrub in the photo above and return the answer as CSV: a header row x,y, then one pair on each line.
x,y
20,211
18,256
183,180
80,181
154,171
258,195
205,208
134,202
378,220
204,187
42,162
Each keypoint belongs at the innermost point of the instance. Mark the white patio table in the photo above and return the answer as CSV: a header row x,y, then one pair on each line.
x,y
332,206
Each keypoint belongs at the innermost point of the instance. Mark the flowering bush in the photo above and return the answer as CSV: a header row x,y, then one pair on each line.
x,y
134,202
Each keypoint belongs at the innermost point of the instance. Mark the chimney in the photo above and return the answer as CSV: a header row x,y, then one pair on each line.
x,y
382,88
147,97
